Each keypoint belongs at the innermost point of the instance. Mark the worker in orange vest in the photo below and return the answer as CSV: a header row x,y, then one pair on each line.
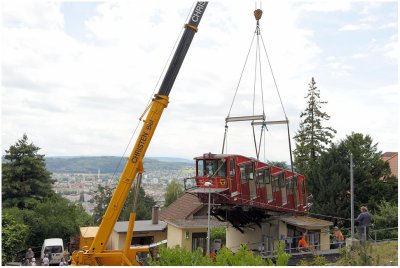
x,y
338,236
303,244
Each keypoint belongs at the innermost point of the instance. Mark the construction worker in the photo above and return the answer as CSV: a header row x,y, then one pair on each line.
x,y
338,237
303,244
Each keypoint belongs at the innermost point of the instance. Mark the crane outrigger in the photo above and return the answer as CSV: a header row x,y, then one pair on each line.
x,y
97,254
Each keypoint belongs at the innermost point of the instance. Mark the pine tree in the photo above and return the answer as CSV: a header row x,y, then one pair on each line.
x,y
312,138
25,178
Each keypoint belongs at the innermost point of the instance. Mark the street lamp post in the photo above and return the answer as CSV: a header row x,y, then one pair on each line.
x,y
208,184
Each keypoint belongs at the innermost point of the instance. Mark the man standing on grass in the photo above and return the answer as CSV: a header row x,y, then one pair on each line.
x,y
364,220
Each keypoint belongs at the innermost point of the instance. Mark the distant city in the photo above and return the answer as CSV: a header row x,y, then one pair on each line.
x,y
71,184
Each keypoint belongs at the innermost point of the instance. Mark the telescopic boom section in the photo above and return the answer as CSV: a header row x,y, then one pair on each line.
x,y
134,164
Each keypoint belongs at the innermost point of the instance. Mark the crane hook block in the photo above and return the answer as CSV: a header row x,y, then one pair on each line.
x,y
258,14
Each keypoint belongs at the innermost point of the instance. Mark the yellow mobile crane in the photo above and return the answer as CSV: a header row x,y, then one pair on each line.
x,y
96,254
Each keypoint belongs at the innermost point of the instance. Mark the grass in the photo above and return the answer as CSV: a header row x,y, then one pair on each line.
x,y
384,253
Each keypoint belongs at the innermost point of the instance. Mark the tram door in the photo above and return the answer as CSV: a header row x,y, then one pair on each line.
x,y
232,176
252,180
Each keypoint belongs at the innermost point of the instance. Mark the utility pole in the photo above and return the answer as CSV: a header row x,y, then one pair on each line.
x,y
352,196
208,184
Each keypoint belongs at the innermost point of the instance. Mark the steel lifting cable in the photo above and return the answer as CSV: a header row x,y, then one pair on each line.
x,y
237,88
280,99
151,97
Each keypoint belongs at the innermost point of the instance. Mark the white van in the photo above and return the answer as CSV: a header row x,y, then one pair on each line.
x,y
54,249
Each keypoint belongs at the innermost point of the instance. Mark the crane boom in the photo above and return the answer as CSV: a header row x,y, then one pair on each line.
x,y
96,254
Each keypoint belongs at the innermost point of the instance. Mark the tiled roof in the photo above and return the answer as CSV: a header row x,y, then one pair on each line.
x,y
389,154
306,222
182,208
195,223
393,159
140,226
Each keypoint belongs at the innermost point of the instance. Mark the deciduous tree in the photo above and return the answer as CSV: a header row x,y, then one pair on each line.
x,y
372,179
13,237
174,191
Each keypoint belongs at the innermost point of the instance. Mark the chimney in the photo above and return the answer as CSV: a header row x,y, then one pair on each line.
x,y
154,214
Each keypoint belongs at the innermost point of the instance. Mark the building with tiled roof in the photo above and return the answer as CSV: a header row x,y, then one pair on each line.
x,y
393,159
185,207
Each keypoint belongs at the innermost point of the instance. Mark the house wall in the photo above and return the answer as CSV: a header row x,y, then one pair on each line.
x,y
282,230
325,239
117,240
234,238
175,236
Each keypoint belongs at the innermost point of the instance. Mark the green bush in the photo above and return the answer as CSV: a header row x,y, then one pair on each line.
x,y
181,257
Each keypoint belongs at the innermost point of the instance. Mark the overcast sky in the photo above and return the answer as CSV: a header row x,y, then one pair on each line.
x,y
76,76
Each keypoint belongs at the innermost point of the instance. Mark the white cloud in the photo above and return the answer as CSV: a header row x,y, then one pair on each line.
x,y
74,97
354,27
32,14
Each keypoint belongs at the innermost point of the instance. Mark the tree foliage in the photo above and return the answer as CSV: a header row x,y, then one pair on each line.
x,y
313,137
372,179
218,233
13,237
102,198
174,191
24,175
51,217
32,211
144,206
386,216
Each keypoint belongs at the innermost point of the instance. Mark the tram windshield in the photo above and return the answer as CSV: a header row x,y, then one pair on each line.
x,y
211,167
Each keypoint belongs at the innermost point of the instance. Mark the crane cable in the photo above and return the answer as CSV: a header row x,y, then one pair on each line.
x,y
258,14
151,97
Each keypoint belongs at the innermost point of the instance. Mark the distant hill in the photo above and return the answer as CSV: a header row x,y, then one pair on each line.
x,y
108,164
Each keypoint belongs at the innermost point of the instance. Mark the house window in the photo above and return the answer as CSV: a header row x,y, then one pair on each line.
x,y
199,240
142,240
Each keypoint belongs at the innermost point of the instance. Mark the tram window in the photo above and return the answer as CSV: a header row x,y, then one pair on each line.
x,y
281,178
249,171
260,177
222,168
242,174
275,184
210,167
289,186
200,168
232,168
267,176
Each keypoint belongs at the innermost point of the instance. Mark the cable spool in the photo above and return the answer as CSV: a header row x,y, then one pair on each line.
x,y
258,14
